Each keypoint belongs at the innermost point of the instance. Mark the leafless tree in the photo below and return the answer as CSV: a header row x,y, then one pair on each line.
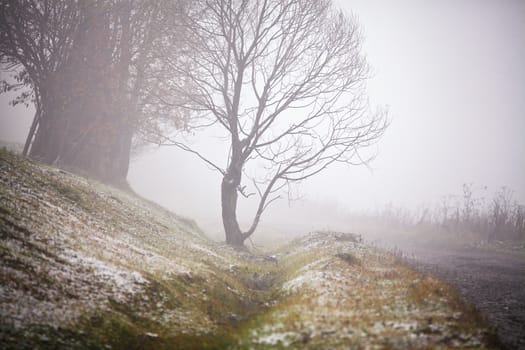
x,y
500,211
86,66
284,79
36,40
519,221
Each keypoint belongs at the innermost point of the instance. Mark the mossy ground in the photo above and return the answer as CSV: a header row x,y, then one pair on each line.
x,y
86,266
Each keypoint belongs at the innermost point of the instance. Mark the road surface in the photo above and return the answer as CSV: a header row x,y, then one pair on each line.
x,y
493,281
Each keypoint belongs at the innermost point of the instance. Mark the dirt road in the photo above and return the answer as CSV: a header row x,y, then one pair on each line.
x,y
493,281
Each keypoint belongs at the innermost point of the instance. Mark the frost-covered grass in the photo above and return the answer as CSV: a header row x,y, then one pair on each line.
x,y
89,259
339,293
84,265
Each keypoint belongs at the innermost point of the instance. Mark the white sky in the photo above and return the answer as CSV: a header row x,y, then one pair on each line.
x,y
453,74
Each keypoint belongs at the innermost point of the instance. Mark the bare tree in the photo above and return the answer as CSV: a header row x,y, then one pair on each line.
x,y
284,79
500,211
36,40
85,65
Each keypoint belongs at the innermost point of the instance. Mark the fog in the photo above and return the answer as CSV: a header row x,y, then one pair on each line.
x,y
415,161
453,77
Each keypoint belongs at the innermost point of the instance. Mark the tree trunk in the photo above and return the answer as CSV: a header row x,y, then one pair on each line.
x,y
234,236
32,130
52,127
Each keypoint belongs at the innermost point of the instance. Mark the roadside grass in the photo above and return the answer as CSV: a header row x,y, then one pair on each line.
x,y
335,295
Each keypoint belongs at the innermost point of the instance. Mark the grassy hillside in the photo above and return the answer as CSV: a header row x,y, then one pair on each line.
x,y
86,266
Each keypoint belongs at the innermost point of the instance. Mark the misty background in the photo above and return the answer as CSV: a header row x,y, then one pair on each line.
x,y
453,77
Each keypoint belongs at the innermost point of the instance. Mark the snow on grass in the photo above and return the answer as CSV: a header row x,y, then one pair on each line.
x,y
73,249
344,294
277,338
72,246
122,282
310,279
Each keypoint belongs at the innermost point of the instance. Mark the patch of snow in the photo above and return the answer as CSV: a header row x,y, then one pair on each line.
x,y
206,251
122,281
406,326
311,278
284,338
52,206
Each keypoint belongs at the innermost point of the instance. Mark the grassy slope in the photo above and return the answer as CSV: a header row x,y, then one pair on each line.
x,y
84,265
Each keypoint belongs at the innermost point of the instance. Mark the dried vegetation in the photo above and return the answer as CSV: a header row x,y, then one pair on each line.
x,y
88,266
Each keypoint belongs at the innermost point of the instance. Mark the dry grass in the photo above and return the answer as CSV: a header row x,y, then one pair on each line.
x,y
346,295
88,266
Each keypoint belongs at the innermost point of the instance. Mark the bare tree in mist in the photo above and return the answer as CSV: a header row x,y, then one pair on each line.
x,y
85,66
285,81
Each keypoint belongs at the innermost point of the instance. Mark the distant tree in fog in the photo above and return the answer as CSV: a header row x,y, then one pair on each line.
x,y
86,66
468,215
285,81
500,211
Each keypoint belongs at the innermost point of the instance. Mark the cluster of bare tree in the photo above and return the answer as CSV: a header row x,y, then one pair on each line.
x,y
283,81
87,67
498,218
